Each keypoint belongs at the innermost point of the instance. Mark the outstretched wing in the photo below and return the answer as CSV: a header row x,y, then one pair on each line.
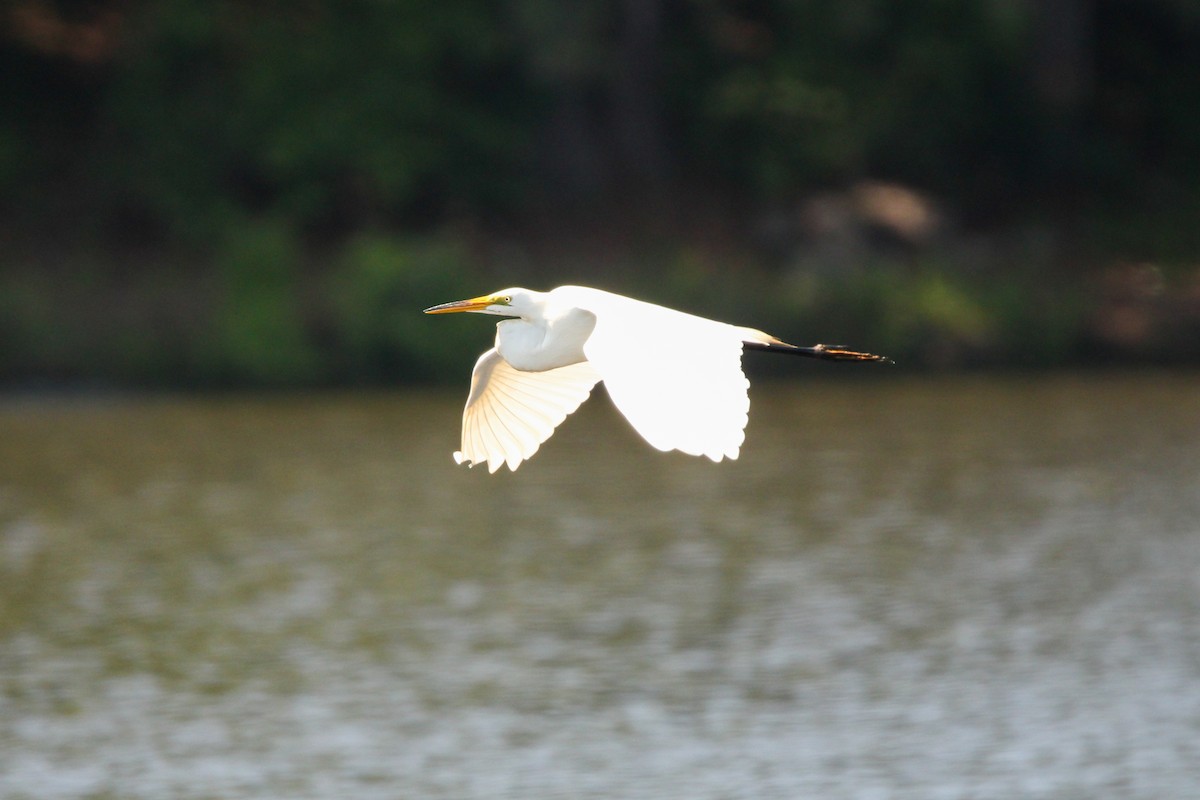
x,y
677,378
510,413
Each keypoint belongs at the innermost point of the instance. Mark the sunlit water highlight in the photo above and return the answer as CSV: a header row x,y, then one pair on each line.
x,y
926,588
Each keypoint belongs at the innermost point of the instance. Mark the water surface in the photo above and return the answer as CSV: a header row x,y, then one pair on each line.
x,y
925,588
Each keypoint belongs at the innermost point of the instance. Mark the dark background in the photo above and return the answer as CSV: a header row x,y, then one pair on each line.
x,y
210,194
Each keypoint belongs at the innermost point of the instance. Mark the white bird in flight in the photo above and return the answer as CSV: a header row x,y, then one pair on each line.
x,y
676,377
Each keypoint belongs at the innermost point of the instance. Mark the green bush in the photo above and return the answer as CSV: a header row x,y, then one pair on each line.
x,y
258,332
376,294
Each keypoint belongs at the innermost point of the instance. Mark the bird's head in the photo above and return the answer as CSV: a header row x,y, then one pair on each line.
x,y
514,302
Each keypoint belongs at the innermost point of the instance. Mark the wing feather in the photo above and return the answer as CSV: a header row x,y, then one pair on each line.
x,y
676,377
509,413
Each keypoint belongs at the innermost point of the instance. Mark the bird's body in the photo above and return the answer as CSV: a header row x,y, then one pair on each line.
x,y
675,376
554,338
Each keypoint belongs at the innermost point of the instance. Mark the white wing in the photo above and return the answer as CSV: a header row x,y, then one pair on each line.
x,y
677,378
510,413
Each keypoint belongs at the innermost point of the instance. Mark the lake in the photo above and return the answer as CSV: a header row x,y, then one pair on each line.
x,y
911,587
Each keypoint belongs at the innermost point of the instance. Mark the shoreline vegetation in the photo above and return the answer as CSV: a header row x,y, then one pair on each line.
x,y
262,311
224,194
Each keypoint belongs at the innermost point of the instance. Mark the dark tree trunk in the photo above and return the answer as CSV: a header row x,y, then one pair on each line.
x,y
1062,53
636,98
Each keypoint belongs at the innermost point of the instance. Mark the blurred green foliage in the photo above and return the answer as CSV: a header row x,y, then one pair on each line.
x,y
376,291
825,90
184,116
258,328
325,113
267,192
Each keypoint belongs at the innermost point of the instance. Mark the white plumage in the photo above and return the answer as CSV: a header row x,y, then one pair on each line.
x,y
510,413
676,377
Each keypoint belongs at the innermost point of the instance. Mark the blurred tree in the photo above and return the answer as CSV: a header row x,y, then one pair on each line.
x,y
1062,53
564,59
637,92
182,117
254,144
598,63
334,114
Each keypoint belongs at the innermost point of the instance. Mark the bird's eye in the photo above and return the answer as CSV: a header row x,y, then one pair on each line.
x,y
506,299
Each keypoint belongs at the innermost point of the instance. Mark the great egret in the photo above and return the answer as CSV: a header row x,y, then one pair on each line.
x,y
676,377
